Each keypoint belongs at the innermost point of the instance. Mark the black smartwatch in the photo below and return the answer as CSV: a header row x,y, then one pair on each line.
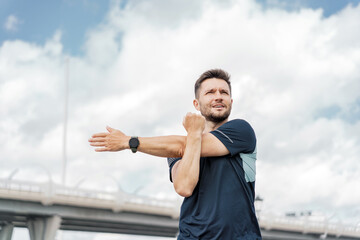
x,y
134,143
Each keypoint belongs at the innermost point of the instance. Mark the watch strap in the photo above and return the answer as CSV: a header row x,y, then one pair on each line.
x,y
134,143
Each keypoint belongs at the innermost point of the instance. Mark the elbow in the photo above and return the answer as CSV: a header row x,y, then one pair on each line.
x,y
180,146
181,149
184,191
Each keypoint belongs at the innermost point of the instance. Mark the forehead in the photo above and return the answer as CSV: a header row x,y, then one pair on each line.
x,y
214,83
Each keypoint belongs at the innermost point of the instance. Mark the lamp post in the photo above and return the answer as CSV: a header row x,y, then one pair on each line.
x,y
63,179
258,205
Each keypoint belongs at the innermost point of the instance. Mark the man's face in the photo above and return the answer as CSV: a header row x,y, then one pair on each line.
x,y
214,100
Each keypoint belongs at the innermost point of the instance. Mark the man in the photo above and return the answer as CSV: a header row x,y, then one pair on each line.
x,y
213,167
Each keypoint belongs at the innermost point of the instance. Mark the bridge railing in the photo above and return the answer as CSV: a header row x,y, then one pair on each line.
x,y
307,225
49,193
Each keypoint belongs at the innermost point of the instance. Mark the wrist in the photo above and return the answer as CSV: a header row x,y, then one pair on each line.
x,y
194,135
126,142
195,132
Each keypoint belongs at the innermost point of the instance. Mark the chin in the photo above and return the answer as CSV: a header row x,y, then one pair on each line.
x,y
217,118
223,113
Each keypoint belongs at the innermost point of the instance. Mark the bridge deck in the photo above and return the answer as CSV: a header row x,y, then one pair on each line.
x,y
119,212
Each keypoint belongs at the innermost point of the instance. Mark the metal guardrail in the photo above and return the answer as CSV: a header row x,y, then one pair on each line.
x,y
50,193
307,225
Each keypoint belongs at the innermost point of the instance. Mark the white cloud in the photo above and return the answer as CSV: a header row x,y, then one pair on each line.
x,y
12,23
138,72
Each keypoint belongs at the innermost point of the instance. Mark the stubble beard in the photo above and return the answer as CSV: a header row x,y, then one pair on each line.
x,y
209,116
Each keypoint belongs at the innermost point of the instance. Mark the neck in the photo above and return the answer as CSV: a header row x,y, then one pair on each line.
x,y
211,126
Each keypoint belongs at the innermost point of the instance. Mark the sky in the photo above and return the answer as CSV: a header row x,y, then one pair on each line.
x,y
295,68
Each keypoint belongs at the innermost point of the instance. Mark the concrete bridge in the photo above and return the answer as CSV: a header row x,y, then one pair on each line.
x,y
44,208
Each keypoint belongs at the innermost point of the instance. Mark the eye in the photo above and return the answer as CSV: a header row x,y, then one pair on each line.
x,y
225,92
210,92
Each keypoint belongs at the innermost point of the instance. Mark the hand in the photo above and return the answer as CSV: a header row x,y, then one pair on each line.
x,y
194,123
113,140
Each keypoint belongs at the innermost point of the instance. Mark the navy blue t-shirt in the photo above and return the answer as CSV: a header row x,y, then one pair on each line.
x,y
222,204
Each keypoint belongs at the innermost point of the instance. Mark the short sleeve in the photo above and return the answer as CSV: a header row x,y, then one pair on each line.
x,y
171,162
237,135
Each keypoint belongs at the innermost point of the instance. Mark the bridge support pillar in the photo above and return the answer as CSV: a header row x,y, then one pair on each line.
x,y
44,228
6,231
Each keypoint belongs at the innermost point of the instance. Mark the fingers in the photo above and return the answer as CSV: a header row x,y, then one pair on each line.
x,y
100,140
104,149
191,115
185,119
97,139
98,144
96,135
109,129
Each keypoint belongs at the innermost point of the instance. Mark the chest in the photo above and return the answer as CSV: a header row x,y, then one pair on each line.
x,y
220,172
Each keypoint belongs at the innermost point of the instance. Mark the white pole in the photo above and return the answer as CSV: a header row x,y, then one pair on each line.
x,y
65,119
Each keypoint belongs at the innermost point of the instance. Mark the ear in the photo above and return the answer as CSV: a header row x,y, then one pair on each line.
x,y
196,104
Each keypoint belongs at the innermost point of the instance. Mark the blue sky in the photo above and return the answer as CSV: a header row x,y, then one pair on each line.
x,y
329,7
295,78
38,20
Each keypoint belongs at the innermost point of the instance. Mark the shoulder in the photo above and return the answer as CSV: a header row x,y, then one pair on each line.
x,y
237,135
239,121
237,124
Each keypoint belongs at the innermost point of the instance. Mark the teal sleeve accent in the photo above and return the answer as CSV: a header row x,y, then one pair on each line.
x,y
249,166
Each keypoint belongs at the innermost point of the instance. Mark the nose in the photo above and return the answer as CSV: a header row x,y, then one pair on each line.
x,y
218,96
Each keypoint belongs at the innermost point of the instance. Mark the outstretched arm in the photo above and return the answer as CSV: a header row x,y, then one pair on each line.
x,y
162,146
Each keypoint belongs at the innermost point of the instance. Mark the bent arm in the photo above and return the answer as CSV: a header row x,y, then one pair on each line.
x,y
185,173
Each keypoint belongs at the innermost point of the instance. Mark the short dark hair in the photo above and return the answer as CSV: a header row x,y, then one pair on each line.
x,y
212,73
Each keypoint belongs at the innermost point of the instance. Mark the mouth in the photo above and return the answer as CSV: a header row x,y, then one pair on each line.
x,y
218,106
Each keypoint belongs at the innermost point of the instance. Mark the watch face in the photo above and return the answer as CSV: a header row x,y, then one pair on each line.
x,y
134,142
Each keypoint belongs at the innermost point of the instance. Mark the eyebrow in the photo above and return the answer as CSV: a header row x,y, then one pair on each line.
x,y
214,89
